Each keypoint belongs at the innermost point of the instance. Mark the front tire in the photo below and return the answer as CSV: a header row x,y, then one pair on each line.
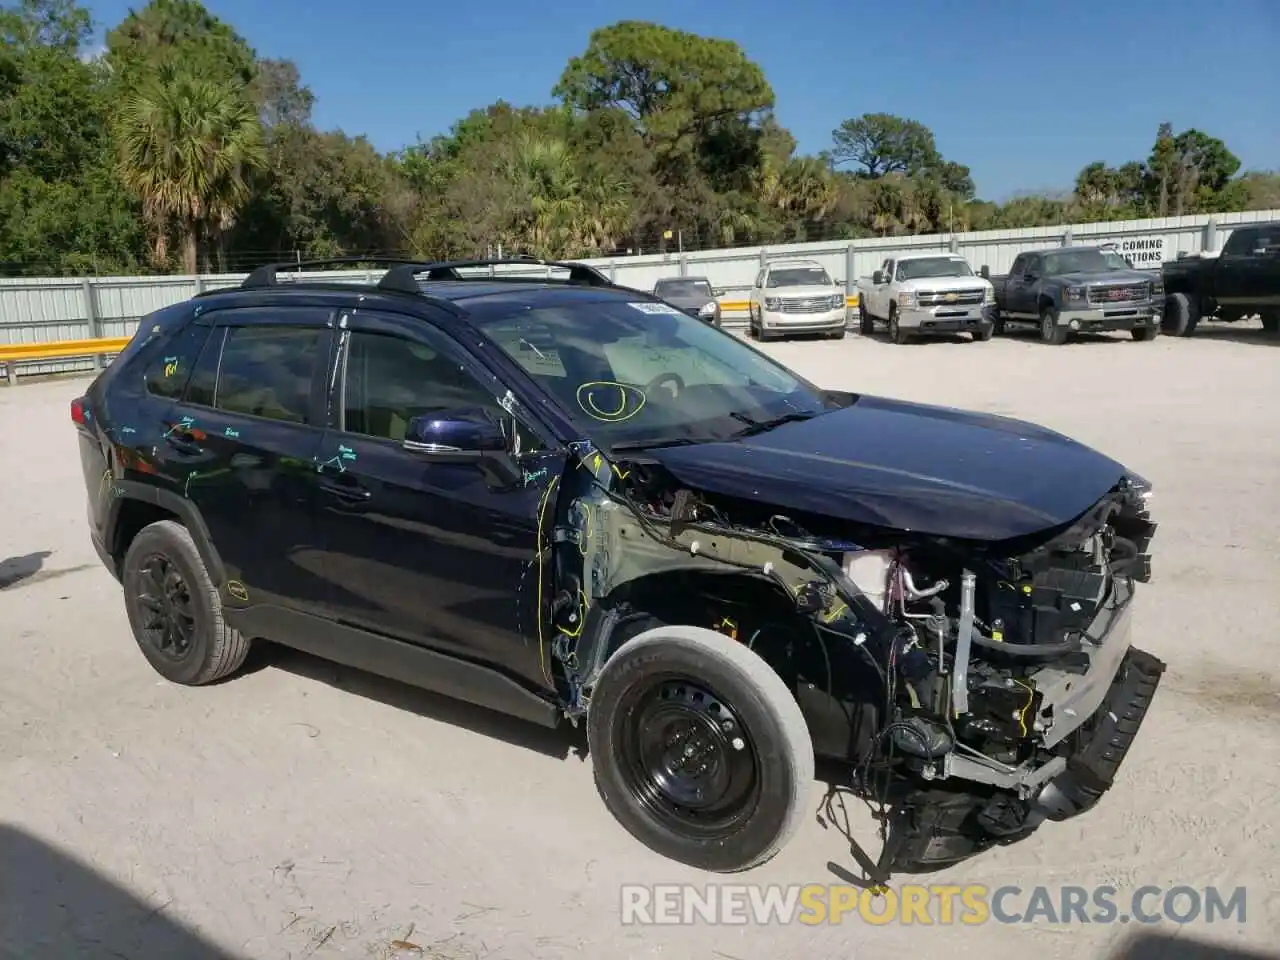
x,y
1271,321
1051,332
984,333
699,748
1144,334
174,608
896,333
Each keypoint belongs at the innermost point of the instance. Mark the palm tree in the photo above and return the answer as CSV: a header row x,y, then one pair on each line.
x,y
188,148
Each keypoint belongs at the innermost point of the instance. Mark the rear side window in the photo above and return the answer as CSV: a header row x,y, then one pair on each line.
x,y
169,371
266,372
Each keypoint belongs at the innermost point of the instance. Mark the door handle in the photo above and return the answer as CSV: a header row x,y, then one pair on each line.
x,y
184,443
348,492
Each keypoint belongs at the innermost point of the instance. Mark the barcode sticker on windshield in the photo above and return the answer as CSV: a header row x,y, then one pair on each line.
x,y
657,308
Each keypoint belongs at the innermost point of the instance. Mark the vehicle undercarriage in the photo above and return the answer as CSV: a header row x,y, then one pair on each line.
x,y
974,689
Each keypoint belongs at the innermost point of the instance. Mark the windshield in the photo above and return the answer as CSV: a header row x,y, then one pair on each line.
x,y
933,267
645,372
682,288
1114,260
798,277
1079,261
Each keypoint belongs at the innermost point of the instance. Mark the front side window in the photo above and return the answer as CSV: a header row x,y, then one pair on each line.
x,y
646,372
267,371
798,277
390,380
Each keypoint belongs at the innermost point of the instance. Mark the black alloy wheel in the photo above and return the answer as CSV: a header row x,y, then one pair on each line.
x,y
168,614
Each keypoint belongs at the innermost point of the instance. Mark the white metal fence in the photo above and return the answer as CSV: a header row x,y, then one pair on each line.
x,y
35,310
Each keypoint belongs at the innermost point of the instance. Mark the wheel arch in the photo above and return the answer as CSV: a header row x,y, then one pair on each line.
x,y
141,505
836,694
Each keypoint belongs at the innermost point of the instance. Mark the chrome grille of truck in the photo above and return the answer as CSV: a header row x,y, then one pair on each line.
x,y
952,298
1119,293
806,304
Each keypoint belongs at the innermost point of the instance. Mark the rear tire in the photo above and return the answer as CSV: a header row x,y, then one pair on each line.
x,y
866,325
174,608
1181,315
676,689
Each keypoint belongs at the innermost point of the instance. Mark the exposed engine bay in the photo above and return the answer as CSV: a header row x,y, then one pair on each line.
x,y
976,688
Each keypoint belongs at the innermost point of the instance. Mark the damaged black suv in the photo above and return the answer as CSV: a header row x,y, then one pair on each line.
x,y
564,499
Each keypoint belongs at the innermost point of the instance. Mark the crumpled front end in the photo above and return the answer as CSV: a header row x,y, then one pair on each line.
x,y
976,688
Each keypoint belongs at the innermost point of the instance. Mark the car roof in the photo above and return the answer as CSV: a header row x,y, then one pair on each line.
x,y
460,295
793,263
930,255
680,280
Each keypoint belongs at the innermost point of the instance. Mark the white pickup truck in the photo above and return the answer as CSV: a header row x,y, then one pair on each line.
x,y
926,294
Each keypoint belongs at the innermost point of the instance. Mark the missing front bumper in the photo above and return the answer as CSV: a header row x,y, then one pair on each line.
x,y
934,828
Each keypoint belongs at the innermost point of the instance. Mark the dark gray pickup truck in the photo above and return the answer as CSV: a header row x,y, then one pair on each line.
x,y
1068,290
1241,281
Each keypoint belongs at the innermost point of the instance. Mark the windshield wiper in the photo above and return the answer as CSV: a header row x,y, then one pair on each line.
x,y
754,426
653,444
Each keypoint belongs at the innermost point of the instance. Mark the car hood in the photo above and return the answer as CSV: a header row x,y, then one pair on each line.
x,y
808,291
1112,276
946,283
907,466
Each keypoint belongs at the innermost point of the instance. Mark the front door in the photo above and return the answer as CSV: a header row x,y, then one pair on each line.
x,y
426,552
240,445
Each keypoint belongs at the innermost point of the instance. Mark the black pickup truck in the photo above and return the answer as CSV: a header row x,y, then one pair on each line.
x,y
1241,281
1069,290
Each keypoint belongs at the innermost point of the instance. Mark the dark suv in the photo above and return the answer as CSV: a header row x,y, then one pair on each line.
x,y
564,499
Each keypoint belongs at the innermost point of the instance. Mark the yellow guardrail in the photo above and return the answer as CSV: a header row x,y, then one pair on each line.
x,y
60,349
741,306
15,353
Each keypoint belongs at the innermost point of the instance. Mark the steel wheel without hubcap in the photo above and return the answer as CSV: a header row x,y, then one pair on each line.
x,y
688,760
168,612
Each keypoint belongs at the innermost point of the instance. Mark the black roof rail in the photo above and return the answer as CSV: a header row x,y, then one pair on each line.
x,y
265,275
403,278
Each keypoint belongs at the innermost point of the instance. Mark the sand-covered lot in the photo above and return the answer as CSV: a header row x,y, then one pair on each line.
x,y
304,810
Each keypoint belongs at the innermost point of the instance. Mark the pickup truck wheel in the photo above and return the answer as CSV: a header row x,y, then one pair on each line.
x,y
699,748
1271,321
1051,331
866,326
983,333
896,333
174,608
1144,334
1181,315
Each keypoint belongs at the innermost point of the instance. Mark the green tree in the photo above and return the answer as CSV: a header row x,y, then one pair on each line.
x,y
882,143
168,35
62,209
188,149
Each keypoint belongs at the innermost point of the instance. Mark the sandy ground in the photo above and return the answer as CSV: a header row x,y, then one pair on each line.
x,y
308,811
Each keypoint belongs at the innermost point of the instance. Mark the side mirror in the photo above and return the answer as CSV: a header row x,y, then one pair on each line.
x,y
878,277
985,272
464,435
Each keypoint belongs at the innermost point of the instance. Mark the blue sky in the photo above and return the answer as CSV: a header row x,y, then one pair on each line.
x,y
1025,92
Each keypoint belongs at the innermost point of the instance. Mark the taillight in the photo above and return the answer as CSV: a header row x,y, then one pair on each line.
x,y
79,413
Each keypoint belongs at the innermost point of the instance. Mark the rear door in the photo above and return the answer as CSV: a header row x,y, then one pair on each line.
x,y
241,445
425,551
